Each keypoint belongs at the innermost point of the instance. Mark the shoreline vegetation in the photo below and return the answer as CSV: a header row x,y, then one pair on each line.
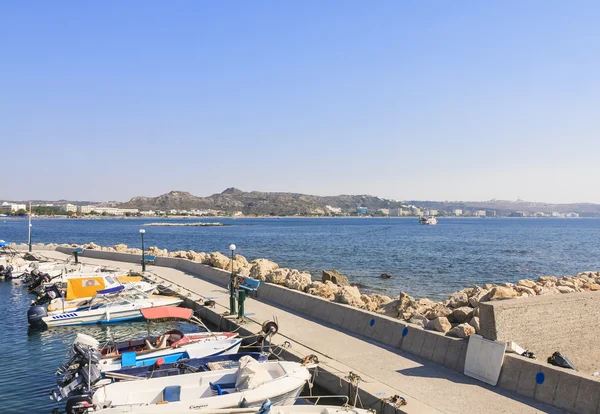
x,y
457,316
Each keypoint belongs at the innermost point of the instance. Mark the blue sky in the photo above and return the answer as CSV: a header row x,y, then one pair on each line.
x,y
440,100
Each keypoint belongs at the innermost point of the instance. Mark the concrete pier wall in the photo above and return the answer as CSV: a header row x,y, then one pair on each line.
x,y
565,389
567,323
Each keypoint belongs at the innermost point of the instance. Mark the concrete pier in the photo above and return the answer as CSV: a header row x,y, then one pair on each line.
x,y
388,360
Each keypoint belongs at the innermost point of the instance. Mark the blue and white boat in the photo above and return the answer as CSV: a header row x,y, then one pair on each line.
x,y
169,347
111,305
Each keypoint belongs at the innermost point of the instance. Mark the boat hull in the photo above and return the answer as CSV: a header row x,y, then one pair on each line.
x,y
180,407
195,350
105,315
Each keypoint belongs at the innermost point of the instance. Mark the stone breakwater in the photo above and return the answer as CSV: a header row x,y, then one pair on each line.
x,y
197,224
457,316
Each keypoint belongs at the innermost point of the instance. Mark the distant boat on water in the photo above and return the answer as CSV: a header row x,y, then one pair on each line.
x,y
428,220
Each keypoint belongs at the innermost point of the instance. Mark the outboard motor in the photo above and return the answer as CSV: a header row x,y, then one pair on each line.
x,y
79,374
36,313
39,279
8,272
50,292
78,404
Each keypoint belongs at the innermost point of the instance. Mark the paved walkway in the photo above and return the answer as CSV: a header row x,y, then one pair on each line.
x,y
427,387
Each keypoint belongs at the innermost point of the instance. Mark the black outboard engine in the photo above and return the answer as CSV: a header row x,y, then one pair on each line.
x,y
39,278
79,374
36,313
78,404
8,272
50,292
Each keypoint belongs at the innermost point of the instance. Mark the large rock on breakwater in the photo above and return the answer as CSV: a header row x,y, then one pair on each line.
x,y
298,280
260,268
457,316
335,277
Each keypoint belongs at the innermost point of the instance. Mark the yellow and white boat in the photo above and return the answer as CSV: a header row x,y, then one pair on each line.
x,y
80,290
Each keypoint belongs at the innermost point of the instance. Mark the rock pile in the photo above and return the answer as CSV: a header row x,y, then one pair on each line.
x,y
457,316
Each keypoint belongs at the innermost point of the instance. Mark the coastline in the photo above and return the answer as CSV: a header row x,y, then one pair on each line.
x,y
14,218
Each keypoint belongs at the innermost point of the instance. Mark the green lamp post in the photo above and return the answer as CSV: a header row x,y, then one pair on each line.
x,y
142,232
232,284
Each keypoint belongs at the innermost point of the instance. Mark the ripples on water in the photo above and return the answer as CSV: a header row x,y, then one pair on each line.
x,y
431,261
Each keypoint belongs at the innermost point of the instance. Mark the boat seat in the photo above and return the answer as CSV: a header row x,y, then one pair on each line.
x,y
217,390
172,393
162,344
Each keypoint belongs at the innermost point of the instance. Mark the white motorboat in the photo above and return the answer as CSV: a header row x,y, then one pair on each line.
x,y
428,220
266,407
111,305
170,346
64,305
52,268
249,385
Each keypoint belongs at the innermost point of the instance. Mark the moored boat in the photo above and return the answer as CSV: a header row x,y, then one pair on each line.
x,y
170,346
266,407
111,305
248,385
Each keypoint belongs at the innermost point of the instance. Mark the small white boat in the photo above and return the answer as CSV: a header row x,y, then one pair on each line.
x,y
249,385
111,305
428,220
170,346
266,407
54,269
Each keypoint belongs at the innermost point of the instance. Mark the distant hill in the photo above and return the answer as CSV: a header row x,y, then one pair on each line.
x,y
257,202
280,204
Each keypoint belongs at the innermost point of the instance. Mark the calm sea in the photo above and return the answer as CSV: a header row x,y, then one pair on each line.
x,y
431,261
428,261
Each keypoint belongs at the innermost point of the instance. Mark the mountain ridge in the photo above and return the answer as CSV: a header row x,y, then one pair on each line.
x,y
233,199
286,203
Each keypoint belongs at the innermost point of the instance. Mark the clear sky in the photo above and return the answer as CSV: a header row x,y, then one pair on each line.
x,y
438,100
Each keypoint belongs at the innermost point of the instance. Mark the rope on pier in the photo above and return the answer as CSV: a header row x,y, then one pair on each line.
x,y
395,401
353,388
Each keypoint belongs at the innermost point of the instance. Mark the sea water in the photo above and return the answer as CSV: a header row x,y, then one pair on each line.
x,y
424,261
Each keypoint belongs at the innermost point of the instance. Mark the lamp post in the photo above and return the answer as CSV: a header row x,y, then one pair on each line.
x,y
142,231
232,284
29,229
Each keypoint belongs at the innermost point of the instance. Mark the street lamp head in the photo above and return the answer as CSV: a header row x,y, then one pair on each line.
x,y
232,247
142,231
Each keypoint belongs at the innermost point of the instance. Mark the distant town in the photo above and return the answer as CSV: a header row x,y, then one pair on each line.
x,y
73,210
